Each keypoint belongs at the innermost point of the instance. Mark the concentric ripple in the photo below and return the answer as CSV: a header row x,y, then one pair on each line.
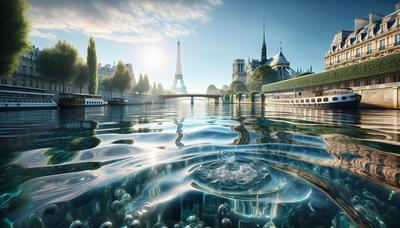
x,y
242,178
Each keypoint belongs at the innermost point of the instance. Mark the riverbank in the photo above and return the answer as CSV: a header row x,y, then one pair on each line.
x,y
376,80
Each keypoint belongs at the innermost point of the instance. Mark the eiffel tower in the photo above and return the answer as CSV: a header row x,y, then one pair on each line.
x,y
178,74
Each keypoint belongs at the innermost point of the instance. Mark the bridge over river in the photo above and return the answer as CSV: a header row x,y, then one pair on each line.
x,y
191,96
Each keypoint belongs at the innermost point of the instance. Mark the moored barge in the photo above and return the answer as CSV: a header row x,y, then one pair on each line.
x,y
334,98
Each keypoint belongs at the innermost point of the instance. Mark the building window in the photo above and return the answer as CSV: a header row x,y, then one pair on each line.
x,y
397,39
357,52
396,78
367,82
381,44
23,82
357,83
381,80
369,48
347,56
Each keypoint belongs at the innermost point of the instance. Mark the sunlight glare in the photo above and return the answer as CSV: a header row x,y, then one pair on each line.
x,y
153,57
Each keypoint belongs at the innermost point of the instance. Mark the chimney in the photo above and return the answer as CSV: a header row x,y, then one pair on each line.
x,y
359,23
397,6
374,17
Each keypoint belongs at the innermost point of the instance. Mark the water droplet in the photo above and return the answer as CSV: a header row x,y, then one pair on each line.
x,y
229,158
107,224
76,224
225,223
223,210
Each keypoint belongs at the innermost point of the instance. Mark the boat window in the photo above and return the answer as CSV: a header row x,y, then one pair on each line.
x,y
307,100
301,101
334,98
313,100
344,98
297,101
326,99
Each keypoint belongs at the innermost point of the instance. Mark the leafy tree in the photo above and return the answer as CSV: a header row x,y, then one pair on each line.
x,y
58,63
146,83
82,77
14,29
238,86
107,84
153,90
92,66
212,89
263,75
121,78
139,85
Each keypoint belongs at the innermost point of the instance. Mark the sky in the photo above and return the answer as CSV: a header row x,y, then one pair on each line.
x,y
212,32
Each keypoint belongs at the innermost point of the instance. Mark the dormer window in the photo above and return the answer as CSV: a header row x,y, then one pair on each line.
x,y
383,27
370,33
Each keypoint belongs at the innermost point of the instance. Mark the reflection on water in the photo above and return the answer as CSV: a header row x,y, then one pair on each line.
x,y
178,165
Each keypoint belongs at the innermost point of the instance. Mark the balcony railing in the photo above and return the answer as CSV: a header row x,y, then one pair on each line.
x,y
382,48
369,52
358,55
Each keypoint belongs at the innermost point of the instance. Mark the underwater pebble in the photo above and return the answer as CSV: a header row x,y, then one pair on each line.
x,y
134,224
116,205
223,210
191,219
119,192
126,198
225,223
76,224
128,219
107,224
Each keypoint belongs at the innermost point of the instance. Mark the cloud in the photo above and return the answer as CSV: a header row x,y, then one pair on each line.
x,y
120,20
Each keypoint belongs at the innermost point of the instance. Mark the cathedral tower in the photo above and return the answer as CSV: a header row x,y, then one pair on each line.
x,y
264,47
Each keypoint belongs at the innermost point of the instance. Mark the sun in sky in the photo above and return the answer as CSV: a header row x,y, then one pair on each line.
x,y
153,57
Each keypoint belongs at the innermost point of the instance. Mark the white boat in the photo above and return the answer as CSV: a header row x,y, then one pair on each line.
x,y
25,98
334,98
80,99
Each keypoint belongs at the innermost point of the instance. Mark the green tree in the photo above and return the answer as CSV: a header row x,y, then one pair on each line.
x,y
153,90
59,63
14,29
139,85
212,89
121,78
146,83
91,60
238,86
263,75
82,77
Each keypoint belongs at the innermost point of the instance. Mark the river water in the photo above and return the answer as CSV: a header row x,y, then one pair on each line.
x,y
182,165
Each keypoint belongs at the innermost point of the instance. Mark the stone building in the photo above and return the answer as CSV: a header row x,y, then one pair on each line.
x,y
376,36
239,70
278,62
27,75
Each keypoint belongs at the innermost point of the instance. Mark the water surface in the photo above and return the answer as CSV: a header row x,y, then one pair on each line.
x,y
178,165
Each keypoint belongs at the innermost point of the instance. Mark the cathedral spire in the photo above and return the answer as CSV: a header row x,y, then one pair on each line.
x,y
264,47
